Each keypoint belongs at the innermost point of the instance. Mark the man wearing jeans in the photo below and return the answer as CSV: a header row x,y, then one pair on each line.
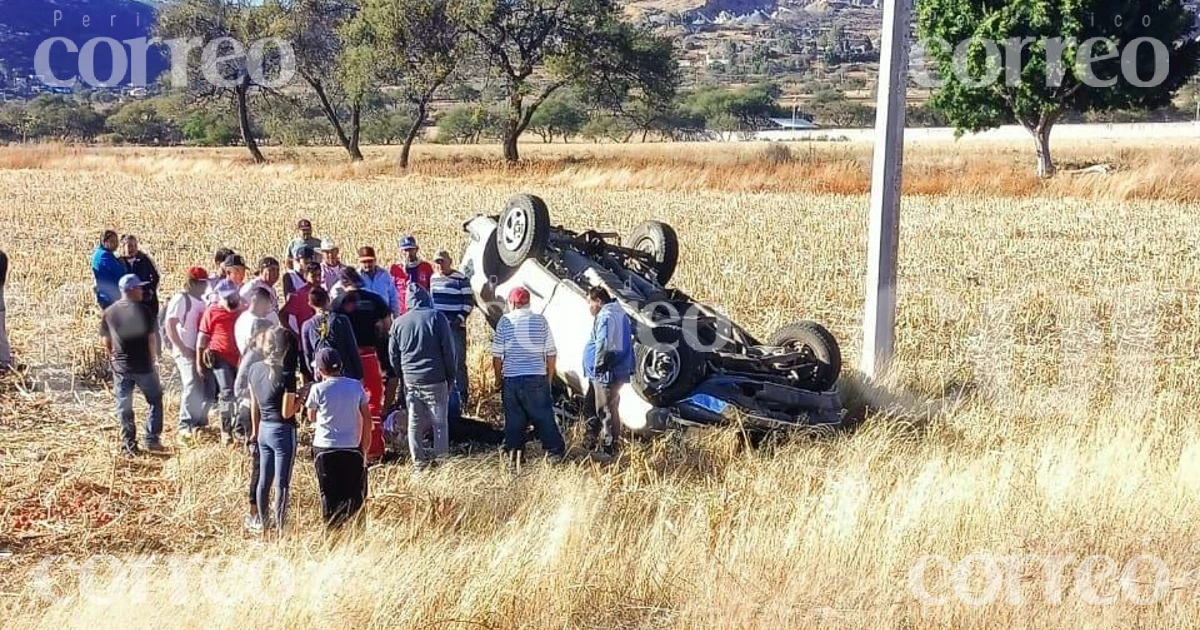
x,y
453,297
422,351
130,340
524,357
182,329
608,364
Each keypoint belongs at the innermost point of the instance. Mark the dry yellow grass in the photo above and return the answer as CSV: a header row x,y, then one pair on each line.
x,y
1158,169
1043,403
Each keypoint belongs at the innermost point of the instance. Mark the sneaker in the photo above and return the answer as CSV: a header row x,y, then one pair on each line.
x,y
130,451
253,523
155,447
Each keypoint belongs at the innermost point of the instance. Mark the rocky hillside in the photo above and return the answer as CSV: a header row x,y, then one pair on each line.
x,y
25,24
799,43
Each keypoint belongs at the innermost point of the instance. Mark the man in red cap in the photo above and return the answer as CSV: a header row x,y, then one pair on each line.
x,y
524,359
181,328
410,269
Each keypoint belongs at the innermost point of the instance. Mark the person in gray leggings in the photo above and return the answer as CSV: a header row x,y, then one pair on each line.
x,y
273,408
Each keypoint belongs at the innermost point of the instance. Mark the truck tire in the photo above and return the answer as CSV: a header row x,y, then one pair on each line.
x,y
823,346
523,230
668,370
661,241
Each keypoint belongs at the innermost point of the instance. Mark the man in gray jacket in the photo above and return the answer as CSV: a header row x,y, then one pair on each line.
x,y
421,347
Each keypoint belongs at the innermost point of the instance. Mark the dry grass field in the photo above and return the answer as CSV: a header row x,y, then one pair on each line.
x,y
1042,411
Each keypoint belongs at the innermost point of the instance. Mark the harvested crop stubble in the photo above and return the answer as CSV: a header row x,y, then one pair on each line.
x,y
1043,402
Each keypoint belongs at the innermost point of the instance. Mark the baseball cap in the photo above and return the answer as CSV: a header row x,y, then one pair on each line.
x,y
267,263
197,274
303,224
442,255
328,360
327,245
130,281
519,295
366,254
305,253
226,289
234,260
408,242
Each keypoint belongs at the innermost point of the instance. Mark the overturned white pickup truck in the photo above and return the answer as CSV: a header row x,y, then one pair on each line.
x,y
693,366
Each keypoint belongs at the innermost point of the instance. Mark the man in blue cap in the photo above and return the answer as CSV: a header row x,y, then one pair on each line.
x,y
130,339
410,269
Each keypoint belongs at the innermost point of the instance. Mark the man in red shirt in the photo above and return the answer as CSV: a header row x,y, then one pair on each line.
x,y
410,269
216,350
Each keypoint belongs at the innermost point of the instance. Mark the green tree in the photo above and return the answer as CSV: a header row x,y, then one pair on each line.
x,y
314,30
647,96
60,118
1073,56
537,47
750,107
846,114
140,122
467,124
390,127
414,45
558,117
209,128
1189,100
208,21
607,128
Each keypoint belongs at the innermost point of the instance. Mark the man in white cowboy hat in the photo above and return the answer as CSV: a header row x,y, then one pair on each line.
x,y
331,264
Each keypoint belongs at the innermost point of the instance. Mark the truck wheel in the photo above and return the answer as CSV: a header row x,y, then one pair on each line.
x,y
659,240
818,341
523,231
669,369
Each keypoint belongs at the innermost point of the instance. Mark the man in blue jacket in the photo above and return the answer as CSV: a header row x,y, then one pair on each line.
x,y
608,364
107,270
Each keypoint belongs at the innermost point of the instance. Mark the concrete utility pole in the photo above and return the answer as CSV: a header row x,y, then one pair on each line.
x,y
879,318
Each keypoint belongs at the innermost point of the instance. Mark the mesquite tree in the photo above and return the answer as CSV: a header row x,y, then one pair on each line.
x,y
1035,61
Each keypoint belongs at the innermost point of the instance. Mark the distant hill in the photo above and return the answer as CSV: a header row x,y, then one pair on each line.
x,y
25,24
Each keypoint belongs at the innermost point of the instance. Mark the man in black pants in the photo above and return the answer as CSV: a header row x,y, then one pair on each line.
x,y
339,410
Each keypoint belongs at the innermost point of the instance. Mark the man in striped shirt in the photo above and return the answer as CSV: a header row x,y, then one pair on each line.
x,y
524,360
452,297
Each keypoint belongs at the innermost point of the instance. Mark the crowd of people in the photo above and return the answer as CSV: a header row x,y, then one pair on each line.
x,y
347,350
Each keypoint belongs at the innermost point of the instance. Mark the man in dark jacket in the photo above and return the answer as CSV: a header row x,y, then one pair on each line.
x,y
422,351
141,265
328,329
